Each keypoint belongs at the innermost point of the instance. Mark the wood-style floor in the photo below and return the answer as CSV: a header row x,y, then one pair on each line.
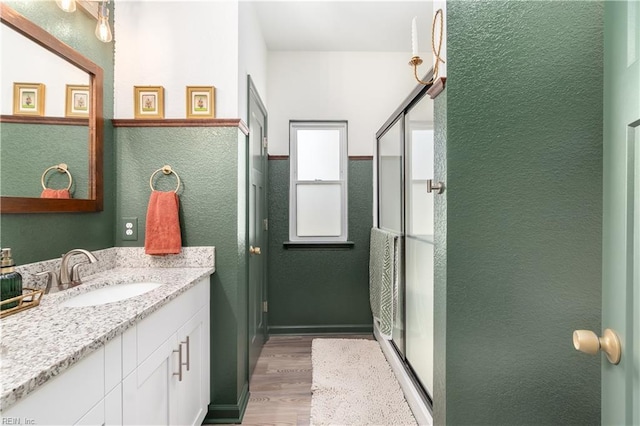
x,y
281,383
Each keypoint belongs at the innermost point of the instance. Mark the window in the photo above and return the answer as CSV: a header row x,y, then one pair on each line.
x,y
318,190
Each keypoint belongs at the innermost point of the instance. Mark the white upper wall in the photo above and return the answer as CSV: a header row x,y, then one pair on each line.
x,y
20,62
344,25
176,44
363,88
252,57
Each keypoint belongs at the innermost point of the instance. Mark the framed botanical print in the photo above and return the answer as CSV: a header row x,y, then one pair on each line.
x,y
28,99
148,101
77,101
201,102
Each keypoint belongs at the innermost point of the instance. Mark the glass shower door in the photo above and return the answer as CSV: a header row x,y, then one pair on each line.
x,y
390,207
419,242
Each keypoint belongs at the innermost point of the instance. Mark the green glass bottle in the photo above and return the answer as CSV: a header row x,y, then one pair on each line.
x,y
10,280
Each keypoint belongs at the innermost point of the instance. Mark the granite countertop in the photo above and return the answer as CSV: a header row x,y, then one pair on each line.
x,y
40,343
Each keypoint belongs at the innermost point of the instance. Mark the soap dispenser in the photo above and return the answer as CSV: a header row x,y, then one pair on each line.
x,y
10,280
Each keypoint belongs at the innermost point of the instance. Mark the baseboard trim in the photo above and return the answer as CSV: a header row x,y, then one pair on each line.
x,y
228,413
418,407
321,329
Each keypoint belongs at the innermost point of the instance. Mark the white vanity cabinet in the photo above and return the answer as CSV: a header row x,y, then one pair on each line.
x,y
193,391
75,397
170,383
149,393
136,378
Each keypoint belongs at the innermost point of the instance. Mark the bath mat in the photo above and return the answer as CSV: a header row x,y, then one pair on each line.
x,y
353,385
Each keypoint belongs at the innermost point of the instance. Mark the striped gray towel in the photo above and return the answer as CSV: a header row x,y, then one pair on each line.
x,y
383,250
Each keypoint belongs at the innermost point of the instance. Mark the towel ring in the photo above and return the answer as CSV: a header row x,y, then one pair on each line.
x,y
62,168
167,170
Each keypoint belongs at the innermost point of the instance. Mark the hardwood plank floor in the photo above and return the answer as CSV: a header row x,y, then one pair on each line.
x,y
281,383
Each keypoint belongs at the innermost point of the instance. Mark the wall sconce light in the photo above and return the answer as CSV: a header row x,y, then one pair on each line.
x,y
416,60
67,5
103,30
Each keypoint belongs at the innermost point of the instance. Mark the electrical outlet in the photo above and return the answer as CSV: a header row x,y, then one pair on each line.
x,y
129,228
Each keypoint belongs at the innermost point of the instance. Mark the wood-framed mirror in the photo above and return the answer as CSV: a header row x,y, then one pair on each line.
x,y
92,200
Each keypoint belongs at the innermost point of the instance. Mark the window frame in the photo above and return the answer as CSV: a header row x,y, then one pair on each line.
x,y
342,127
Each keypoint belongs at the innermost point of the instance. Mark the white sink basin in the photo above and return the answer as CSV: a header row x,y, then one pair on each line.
x,y
110,294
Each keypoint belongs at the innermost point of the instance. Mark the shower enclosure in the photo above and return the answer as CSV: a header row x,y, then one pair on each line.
x,y
405,165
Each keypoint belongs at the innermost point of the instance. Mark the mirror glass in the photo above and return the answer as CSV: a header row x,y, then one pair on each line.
x,y
28,149
51,116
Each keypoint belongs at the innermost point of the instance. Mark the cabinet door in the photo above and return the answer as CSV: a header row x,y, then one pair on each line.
x,y
113,407
148,394
193,389
95,416
65,399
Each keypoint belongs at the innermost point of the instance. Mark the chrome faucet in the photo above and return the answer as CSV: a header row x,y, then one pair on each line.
x,y
71,277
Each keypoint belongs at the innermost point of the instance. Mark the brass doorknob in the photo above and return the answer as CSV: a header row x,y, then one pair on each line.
x,y
588,342
254,250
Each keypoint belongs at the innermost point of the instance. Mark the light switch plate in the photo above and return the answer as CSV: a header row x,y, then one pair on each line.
x,y
129,228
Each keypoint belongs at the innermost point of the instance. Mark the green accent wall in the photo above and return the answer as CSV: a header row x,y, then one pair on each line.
x,y
320,289
32,143
440,262
523,211
213,206
35,237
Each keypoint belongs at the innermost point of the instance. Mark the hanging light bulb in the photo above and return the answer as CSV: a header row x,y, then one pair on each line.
x,y
103,30
67,5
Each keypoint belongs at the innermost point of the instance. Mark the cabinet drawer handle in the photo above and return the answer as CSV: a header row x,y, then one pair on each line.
x,y
186,342
179,373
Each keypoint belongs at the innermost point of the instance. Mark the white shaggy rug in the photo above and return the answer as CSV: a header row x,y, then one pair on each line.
x,y
354,385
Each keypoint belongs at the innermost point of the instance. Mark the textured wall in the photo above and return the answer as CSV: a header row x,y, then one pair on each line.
x,y
440,263
524,212
210,204
35,237
43,146
319,289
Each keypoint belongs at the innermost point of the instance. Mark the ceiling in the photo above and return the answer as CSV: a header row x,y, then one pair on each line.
x,y
340,25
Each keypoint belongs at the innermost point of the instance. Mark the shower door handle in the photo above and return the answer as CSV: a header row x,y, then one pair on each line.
x,y
438,188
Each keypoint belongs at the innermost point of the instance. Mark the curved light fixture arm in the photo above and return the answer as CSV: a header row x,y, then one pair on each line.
x,y
416,60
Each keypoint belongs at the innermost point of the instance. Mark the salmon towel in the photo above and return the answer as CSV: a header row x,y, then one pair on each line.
x,y
55,193
163,224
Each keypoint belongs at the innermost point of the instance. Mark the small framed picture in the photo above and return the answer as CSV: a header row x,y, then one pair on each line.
x,y
148,101
28,99
77,101
201,101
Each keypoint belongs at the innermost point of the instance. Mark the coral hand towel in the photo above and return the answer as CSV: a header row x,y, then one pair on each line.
x,y
163,224
55,193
